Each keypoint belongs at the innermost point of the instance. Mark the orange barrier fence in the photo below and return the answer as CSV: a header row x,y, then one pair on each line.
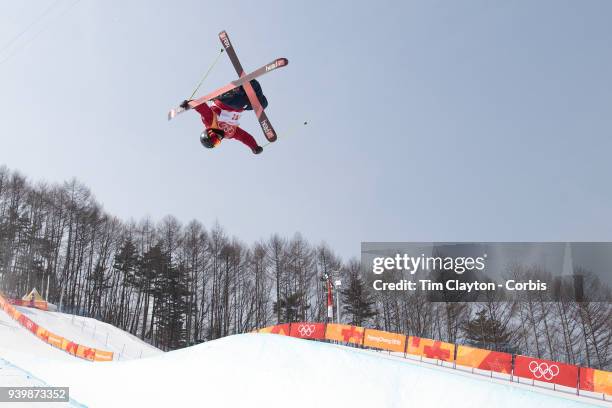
x,y
595,380
101,355
77,350
282,329
384,340
484,359
431,348
586,379
344,333
38,304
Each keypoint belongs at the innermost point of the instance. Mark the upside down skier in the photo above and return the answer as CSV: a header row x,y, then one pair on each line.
x,y
221,117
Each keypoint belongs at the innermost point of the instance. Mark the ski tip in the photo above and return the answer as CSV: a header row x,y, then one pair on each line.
x,y
271,135
171,114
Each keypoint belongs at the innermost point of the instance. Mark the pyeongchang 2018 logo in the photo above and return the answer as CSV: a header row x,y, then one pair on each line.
x,y
544,370
306,330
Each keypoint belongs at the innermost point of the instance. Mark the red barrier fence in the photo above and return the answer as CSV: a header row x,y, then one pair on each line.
x,y
552,372
315,331
278,329
547,371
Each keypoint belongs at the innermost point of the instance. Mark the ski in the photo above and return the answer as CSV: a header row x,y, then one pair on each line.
x,y
243,81
264,122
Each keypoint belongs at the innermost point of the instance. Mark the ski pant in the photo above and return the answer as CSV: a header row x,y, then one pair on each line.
x,y
209,118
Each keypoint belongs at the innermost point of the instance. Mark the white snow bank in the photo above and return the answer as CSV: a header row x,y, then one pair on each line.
x,y
92,333
13,337
83,330
259,370
12,376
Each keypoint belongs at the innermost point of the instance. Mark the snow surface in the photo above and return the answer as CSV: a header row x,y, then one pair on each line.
x,y
83,330
12,376
265,370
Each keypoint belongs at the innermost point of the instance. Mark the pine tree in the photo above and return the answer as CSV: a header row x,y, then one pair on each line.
x,y
100,284
486,332
126,263
357,302
173,289
149,270
290,308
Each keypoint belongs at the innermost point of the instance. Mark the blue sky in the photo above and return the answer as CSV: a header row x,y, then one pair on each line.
x,y
428,120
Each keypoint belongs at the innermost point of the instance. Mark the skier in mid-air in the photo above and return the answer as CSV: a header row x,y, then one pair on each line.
x,y
221,117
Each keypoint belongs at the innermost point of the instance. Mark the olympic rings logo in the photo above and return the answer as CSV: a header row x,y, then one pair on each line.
x,y
306,330
543,370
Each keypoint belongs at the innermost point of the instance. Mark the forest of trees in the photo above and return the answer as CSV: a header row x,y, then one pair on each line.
x,y
174,284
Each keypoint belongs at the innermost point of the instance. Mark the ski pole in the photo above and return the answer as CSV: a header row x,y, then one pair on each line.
x,y
206,74
292,131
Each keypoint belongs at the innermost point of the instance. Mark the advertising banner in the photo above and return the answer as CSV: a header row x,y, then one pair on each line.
x,y
344,333
596,380
37,304
430,348
484,359
385,340
282,329
86,352
547,371
55,340
307,330
42,334
100,355
69,346
28,324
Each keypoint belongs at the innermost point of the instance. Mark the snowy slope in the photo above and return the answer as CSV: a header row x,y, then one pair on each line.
x,y
262,370
92,333
13,337
86,331
12,376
